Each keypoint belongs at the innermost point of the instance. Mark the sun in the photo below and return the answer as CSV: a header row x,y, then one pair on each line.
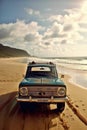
x,y
84,7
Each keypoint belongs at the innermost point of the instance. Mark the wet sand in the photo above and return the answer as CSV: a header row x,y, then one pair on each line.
x,y
41,117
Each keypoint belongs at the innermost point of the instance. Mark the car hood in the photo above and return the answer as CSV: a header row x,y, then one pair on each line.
x,y
41,81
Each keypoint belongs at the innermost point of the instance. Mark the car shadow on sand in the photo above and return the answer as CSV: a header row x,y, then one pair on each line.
x,y
35,116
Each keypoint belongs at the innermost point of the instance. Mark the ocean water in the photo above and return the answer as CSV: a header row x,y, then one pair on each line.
x,y
76,67
74,63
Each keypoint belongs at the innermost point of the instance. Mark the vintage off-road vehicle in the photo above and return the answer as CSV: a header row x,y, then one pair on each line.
x,y
41,84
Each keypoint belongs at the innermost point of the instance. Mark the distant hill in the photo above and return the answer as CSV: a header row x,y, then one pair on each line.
x,y
6,51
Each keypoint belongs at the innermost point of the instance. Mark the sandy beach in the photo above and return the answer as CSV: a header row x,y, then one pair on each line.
x,y
74,116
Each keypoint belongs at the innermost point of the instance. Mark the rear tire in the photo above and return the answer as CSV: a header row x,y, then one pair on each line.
x,y
60,107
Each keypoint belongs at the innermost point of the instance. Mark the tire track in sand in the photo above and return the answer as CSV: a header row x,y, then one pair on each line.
x,y
64,123
14,119
76,111
36,117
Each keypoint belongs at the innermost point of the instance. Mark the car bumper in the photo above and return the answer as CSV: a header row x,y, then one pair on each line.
x,y
42,100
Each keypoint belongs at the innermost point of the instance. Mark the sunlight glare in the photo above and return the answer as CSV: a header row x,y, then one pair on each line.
x,y
84,7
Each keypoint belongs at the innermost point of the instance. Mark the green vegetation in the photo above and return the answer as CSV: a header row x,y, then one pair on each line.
x,y
6,51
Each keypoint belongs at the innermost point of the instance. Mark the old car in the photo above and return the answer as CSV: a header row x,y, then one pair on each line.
x,y
41,84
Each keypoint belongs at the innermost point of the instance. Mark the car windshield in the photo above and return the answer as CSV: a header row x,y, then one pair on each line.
x,y
41,71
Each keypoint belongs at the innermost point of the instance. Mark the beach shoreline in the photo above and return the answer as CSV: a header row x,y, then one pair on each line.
x,y
76,84
77,77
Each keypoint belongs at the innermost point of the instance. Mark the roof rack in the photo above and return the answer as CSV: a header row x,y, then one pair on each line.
x,y
51,63
33,62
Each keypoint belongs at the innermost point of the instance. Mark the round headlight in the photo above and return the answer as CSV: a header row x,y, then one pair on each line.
x,y
61,91
23,91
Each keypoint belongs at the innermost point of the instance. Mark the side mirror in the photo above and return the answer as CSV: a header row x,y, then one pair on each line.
x,y
62,76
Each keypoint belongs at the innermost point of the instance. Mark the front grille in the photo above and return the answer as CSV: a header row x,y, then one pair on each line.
x,y
42,91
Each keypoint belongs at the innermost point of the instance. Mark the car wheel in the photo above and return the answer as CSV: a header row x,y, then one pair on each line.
x,y
60,107
23,106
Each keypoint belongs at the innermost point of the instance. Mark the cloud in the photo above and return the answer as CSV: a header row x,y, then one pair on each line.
x,y
55,31
72,15
4,33
68,27
30,37
48,9
19,28
32,12
20,34
47,43
29,11
63,41
5,30
56,34
58,18
34,38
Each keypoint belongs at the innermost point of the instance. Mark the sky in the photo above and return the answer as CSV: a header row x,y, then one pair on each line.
x,y
45,28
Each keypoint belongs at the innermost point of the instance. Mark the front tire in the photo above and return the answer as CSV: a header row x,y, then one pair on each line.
x,y
23,106
60,107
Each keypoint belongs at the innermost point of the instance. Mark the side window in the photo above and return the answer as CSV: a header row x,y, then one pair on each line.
x,y
54,71
28,72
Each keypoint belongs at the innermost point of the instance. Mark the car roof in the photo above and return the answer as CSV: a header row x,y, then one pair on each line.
x,y
49,64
